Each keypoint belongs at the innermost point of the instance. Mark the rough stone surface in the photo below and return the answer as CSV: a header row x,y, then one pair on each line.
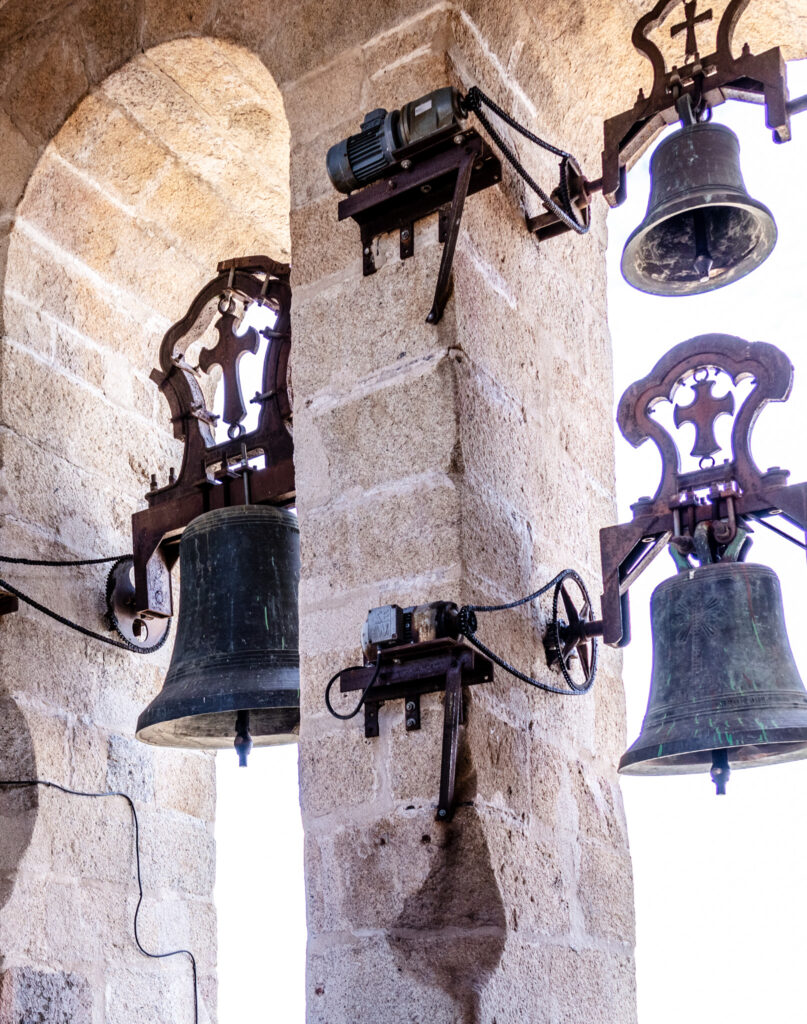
x,y
142,142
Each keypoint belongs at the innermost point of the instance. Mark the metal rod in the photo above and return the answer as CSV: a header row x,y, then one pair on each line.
x,y
797,106
775,529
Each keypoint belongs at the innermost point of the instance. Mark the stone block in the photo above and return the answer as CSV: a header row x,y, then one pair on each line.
x,y
321,244
405,419
399,296
605,892
608,995
112,149
18,163
178,852
375,987
110,35
166,19
90,840
130,768
104,237
599,806
341,543
346,767
43,86
184,781
392,86
535,876
70,294
427,33
327,97
58,997
163,993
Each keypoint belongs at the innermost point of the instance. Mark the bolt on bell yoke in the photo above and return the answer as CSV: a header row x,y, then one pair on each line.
x,y
234,677
702,230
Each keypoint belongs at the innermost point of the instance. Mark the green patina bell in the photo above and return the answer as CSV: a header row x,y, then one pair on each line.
x,y
725,691
235,670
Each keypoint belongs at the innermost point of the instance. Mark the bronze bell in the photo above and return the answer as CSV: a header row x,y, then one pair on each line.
x,y
235,670
725,691
702,230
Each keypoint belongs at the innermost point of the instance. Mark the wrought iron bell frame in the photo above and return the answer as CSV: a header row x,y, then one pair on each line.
x,y
700,82
706,505
215,475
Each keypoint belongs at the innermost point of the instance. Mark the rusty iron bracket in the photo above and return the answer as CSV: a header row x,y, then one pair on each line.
x,y
407,672
716,495
216,475
707,80
427,179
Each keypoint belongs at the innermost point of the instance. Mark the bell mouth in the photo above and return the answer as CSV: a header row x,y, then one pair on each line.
x,y
648,761
659,257
269,727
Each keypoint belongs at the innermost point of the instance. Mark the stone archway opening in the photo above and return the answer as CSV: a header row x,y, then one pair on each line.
x,y
174,162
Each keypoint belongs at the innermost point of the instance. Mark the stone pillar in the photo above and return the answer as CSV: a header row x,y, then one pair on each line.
x,y
468,462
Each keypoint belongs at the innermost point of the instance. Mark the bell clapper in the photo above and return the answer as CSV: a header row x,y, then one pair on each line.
x,y
703,261
243,740
720,770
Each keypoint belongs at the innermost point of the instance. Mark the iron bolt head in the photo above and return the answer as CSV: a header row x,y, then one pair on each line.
x,y
406,164
367,251
442,813
410,723
458,140
410,705
406,234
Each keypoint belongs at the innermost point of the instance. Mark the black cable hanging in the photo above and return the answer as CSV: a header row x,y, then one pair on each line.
x,y
19,783
362,699
566,213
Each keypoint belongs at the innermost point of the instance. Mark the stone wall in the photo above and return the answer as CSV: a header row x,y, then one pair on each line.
x,y
175,161
470,461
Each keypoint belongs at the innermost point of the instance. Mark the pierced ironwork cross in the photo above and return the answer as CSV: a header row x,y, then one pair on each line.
x,y
703,411
226,353
689,24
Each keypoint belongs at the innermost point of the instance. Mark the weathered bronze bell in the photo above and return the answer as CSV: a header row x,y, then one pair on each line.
x,y
234,673
702,230
725,691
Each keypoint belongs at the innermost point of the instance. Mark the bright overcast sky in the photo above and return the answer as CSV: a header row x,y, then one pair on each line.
x,y
721,892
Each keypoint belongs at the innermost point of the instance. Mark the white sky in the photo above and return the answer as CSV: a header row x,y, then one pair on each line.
x,y
720,886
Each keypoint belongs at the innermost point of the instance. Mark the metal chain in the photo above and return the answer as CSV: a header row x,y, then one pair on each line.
x,y
468,626
473,101
46,561
122,644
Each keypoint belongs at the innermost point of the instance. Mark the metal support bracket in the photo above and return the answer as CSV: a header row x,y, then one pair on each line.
x,y
8,603
437,178
411,670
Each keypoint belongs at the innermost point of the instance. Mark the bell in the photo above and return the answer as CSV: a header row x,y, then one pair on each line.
x,y
702,230
235,670
725,691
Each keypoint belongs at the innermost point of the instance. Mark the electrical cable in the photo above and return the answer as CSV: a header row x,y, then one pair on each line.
x,y
473,101
357,709
468,627
19,783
